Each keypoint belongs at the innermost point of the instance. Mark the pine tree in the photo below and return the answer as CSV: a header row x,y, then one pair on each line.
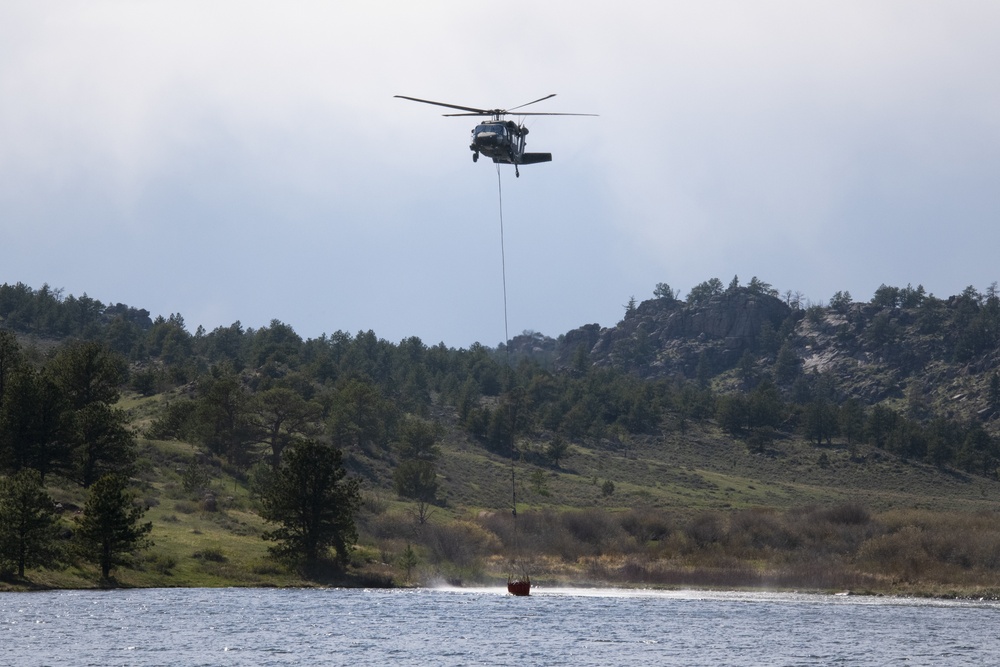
x,y
27,523
314,504
110,530
994,392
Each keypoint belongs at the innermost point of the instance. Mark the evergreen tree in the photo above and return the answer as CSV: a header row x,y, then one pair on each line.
x,y
732,411
88,373
282,415
664,291
702,292
408,560
747,368
851,420
764,406
104,444
880,424
416,480
360,416
314,504
32,424
886,296
416,475
787,365
222,418
27,523
10,359
89,377
418,440
768,340
993,396
840,302
758,286
820,420
556,450
110,530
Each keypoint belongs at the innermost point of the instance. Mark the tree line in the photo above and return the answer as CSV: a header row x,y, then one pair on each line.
x,y
252,392
60,416
252,396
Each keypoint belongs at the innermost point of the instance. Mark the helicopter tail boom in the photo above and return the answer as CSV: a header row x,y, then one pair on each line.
x,y
535,158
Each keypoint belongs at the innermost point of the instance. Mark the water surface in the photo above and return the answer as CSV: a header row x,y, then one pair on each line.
x,y
485,626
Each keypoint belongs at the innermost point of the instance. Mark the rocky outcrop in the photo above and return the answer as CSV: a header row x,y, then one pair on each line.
x,y
933,356
667,336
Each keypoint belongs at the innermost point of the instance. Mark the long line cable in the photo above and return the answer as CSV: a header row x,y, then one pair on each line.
x,y
506,336
503,265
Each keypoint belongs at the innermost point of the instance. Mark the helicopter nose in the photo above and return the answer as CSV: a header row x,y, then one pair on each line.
x,y
486,139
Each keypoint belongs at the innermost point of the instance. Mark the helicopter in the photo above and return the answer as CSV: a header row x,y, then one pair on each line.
x,y
500,139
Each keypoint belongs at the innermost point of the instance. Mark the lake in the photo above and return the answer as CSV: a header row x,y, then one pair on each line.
x,y
485,626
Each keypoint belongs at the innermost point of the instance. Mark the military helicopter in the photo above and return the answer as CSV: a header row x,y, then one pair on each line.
x,y
499,139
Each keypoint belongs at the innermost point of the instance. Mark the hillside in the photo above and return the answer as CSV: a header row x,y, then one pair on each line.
x,y
696,442
905,348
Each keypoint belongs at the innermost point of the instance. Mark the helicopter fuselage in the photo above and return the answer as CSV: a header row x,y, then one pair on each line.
x,y
503,142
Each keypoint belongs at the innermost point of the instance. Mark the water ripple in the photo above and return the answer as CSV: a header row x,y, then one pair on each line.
x,y
484,626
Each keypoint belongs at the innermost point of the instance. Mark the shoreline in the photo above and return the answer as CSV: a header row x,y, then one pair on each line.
x,y
543,586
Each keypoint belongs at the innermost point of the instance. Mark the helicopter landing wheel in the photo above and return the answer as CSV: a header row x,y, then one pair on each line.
x,y
517,174
475,157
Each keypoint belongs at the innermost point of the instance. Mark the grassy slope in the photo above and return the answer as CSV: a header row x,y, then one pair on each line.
x,y
701,469
705,469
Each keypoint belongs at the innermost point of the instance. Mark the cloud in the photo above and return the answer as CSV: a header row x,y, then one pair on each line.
x,y
248,161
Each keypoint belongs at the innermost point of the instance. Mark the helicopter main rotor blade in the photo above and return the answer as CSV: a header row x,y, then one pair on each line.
x,y
499,112
548,113
527,103
475,111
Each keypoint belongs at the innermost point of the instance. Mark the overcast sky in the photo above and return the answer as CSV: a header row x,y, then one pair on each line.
x,y
247,160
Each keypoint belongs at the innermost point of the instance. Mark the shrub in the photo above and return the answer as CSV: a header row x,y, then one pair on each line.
x,y
705,529
536,532
211,554
185,507
462,543
900,553
757,529
595,530
160,563
645,525
387,525
268,567
195,478
850,514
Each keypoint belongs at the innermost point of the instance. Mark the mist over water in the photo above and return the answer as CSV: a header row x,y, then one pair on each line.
x,y
451,626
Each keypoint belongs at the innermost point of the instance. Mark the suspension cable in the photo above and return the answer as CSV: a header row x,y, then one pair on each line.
x,y
503,269
506,335
506,343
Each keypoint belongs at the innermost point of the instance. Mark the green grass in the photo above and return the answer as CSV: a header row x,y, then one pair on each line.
x,y
677,476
